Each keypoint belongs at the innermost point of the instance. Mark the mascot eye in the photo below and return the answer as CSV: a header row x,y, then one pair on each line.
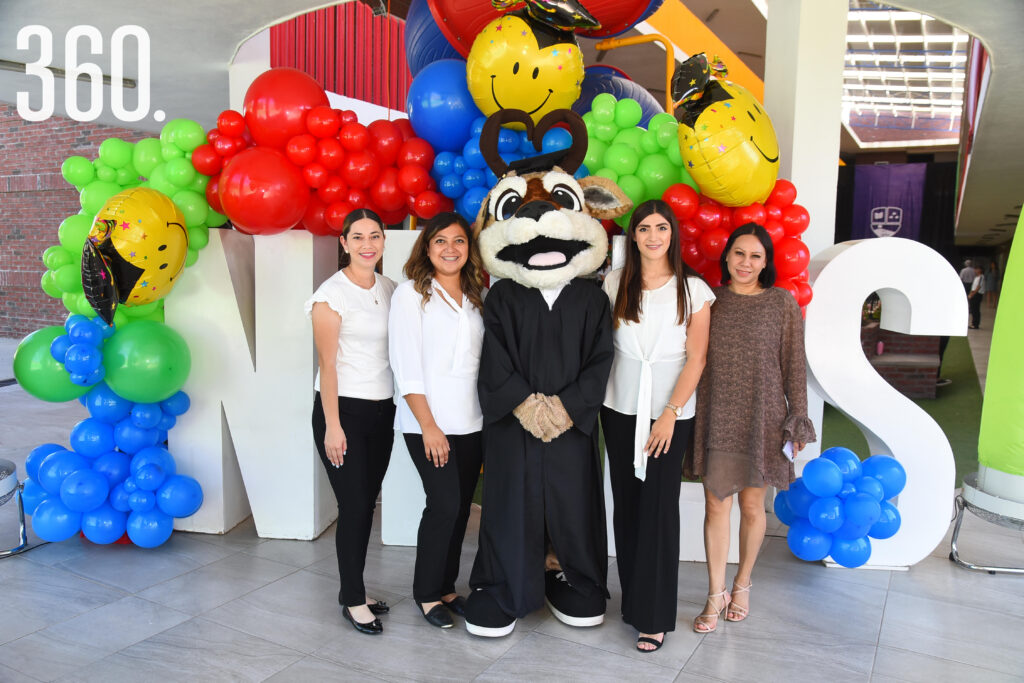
x,y
507,205
565,197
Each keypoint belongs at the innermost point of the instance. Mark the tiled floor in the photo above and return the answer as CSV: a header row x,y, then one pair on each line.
x,y
241,608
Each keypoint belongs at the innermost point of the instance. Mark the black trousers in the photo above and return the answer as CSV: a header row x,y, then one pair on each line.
x,y
369,431
646,523
974,306
449,492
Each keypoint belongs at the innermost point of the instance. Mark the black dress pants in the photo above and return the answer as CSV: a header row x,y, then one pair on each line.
x,y
449,492
974,307
646,523
369,432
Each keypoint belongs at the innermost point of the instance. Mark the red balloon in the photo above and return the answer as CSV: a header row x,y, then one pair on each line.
x,y
385,191
428,204
393,217
805,293
791,257
262,192
231,123
688,230
330,153
712,274
754,213
790,287
775,231
212,194
357,198
416,151
227,146
347,116
212,135
334,190
692,255
276,104
315,174
322,121
795,220
804,275
783,194
360,169
354,137
301,149
387,140
712,243
206,160
447,203
772,213
335,215
708,217
682,199
405,128
413,179
313,220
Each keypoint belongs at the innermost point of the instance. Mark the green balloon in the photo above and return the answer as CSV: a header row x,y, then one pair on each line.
x,y
56,256
169,151
198,184
191,256
68,277
588,121
49,286
622,159
629,136
146,156
94,195
595,153
628,113
668,134
658,174
116,153
127,176
673,154
603,108
649,142
623,221
120,319
215,220
605,131
83,306
159,181
193,207
609,174
185,134
140,311
179,171
633,187
659,119
198,237
72,233
106,173
685,177
146,361
38,373
78,171
70,301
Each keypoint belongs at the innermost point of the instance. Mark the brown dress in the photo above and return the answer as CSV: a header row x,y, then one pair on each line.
x,y
752,396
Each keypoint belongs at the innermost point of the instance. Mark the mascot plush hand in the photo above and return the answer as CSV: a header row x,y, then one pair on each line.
x,y
546,356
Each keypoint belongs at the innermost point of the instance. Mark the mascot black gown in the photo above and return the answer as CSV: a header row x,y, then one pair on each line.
x,y
547,353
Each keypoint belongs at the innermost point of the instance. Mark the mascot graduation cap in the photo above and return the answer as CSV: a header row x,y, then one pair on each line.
x,y
547,353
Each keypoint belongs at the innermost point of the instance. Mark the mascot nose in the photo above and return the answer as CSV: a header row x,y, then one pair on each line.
x,y
535,209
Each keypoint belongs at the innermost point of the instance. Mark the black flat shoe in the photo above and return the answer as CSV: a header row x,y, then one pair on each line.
x,y
437,616
379,607
456,605
373,628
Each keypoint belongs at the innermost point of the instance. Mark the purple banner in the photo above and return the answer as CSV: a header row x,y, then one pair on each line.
x,y
887,200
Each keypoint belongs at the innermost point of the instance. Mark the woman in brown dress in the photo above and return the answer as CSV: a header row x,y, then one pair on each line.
x,y
751,404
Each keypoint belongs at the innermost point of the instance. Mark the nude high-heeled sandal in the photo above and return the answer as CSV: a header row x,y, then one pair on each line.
x,y
738,612
702,623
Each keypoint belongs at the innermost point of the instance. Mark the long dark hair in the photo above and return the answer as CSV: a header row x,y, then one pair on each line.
x,y
352,217
627,300
420,270
767,276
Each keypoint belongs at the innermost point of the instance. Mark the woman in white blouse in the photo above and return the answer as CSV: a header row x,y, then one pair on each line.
x,y
353,411
660,314
436,335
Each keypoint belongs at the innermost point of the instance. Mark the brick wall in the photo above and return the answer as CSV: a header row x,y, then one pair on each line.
x,y
916,377
34,199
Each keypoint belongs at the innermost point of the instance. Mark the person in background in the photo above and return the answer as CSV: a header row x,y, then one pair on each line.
x,y
991,283
437,333
967,276
353,411
975,296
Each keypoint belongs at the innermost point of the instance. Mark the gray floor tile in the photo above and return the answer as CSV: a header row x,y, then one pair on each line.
x,y
939,579
196,650
296,553
316,670
213,585
241,537
61,649
540,657
8,675
914,667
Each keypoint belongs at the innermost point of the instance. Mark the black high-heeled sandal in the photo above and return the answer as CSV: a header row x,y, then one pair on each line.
x,y
372,628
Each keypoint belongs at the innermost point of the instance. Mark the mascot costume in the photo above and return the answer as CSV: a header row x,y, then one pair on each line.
x,y
547,353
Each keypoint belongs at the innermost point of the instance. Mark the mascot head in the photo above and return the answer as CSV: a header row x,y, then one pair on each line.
x,y
539,225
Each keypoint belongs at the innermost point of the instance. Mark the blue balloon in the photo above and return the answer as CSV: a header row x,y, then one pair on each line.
x,y
32,494
826,514
87,380
444,163
581,172
806,542
180,496
105,405
472,201
161,440
473,177
799,498
888,523
451,186
424,41
85,332
37,455
472,154
146,415
154,455
166,424
119,498
508,140
492,179
439,105
459,166
140,501
114,465
526,147
58,465
54,522
107,330
887,470
509,157
73,320
478,126
150,477
131,439
104,524
129,485
822,477
149,528
176,405
556,139
851,552
92,437
848,490
870,486
781,508
860,511
59,347
849,463
84,490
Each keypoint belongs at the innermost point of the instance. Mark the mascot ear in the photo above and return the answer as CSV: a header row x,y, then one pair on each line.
x,y
604,199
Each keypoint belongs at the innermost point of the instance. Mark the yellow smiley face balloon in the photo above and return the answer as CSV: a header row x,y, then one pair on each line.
x,y
516,63
728,144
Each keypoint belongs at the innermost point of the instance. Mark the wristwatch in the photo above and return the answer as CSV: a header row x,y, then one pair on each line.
x,y
678,410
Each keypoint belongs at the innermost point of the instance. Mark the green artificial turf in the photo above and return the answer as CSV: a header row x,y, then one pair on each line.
x,y
956,408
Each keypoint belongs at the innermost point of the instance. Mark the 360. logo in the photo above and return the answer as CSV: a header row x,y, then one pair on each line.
x,y
75,70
